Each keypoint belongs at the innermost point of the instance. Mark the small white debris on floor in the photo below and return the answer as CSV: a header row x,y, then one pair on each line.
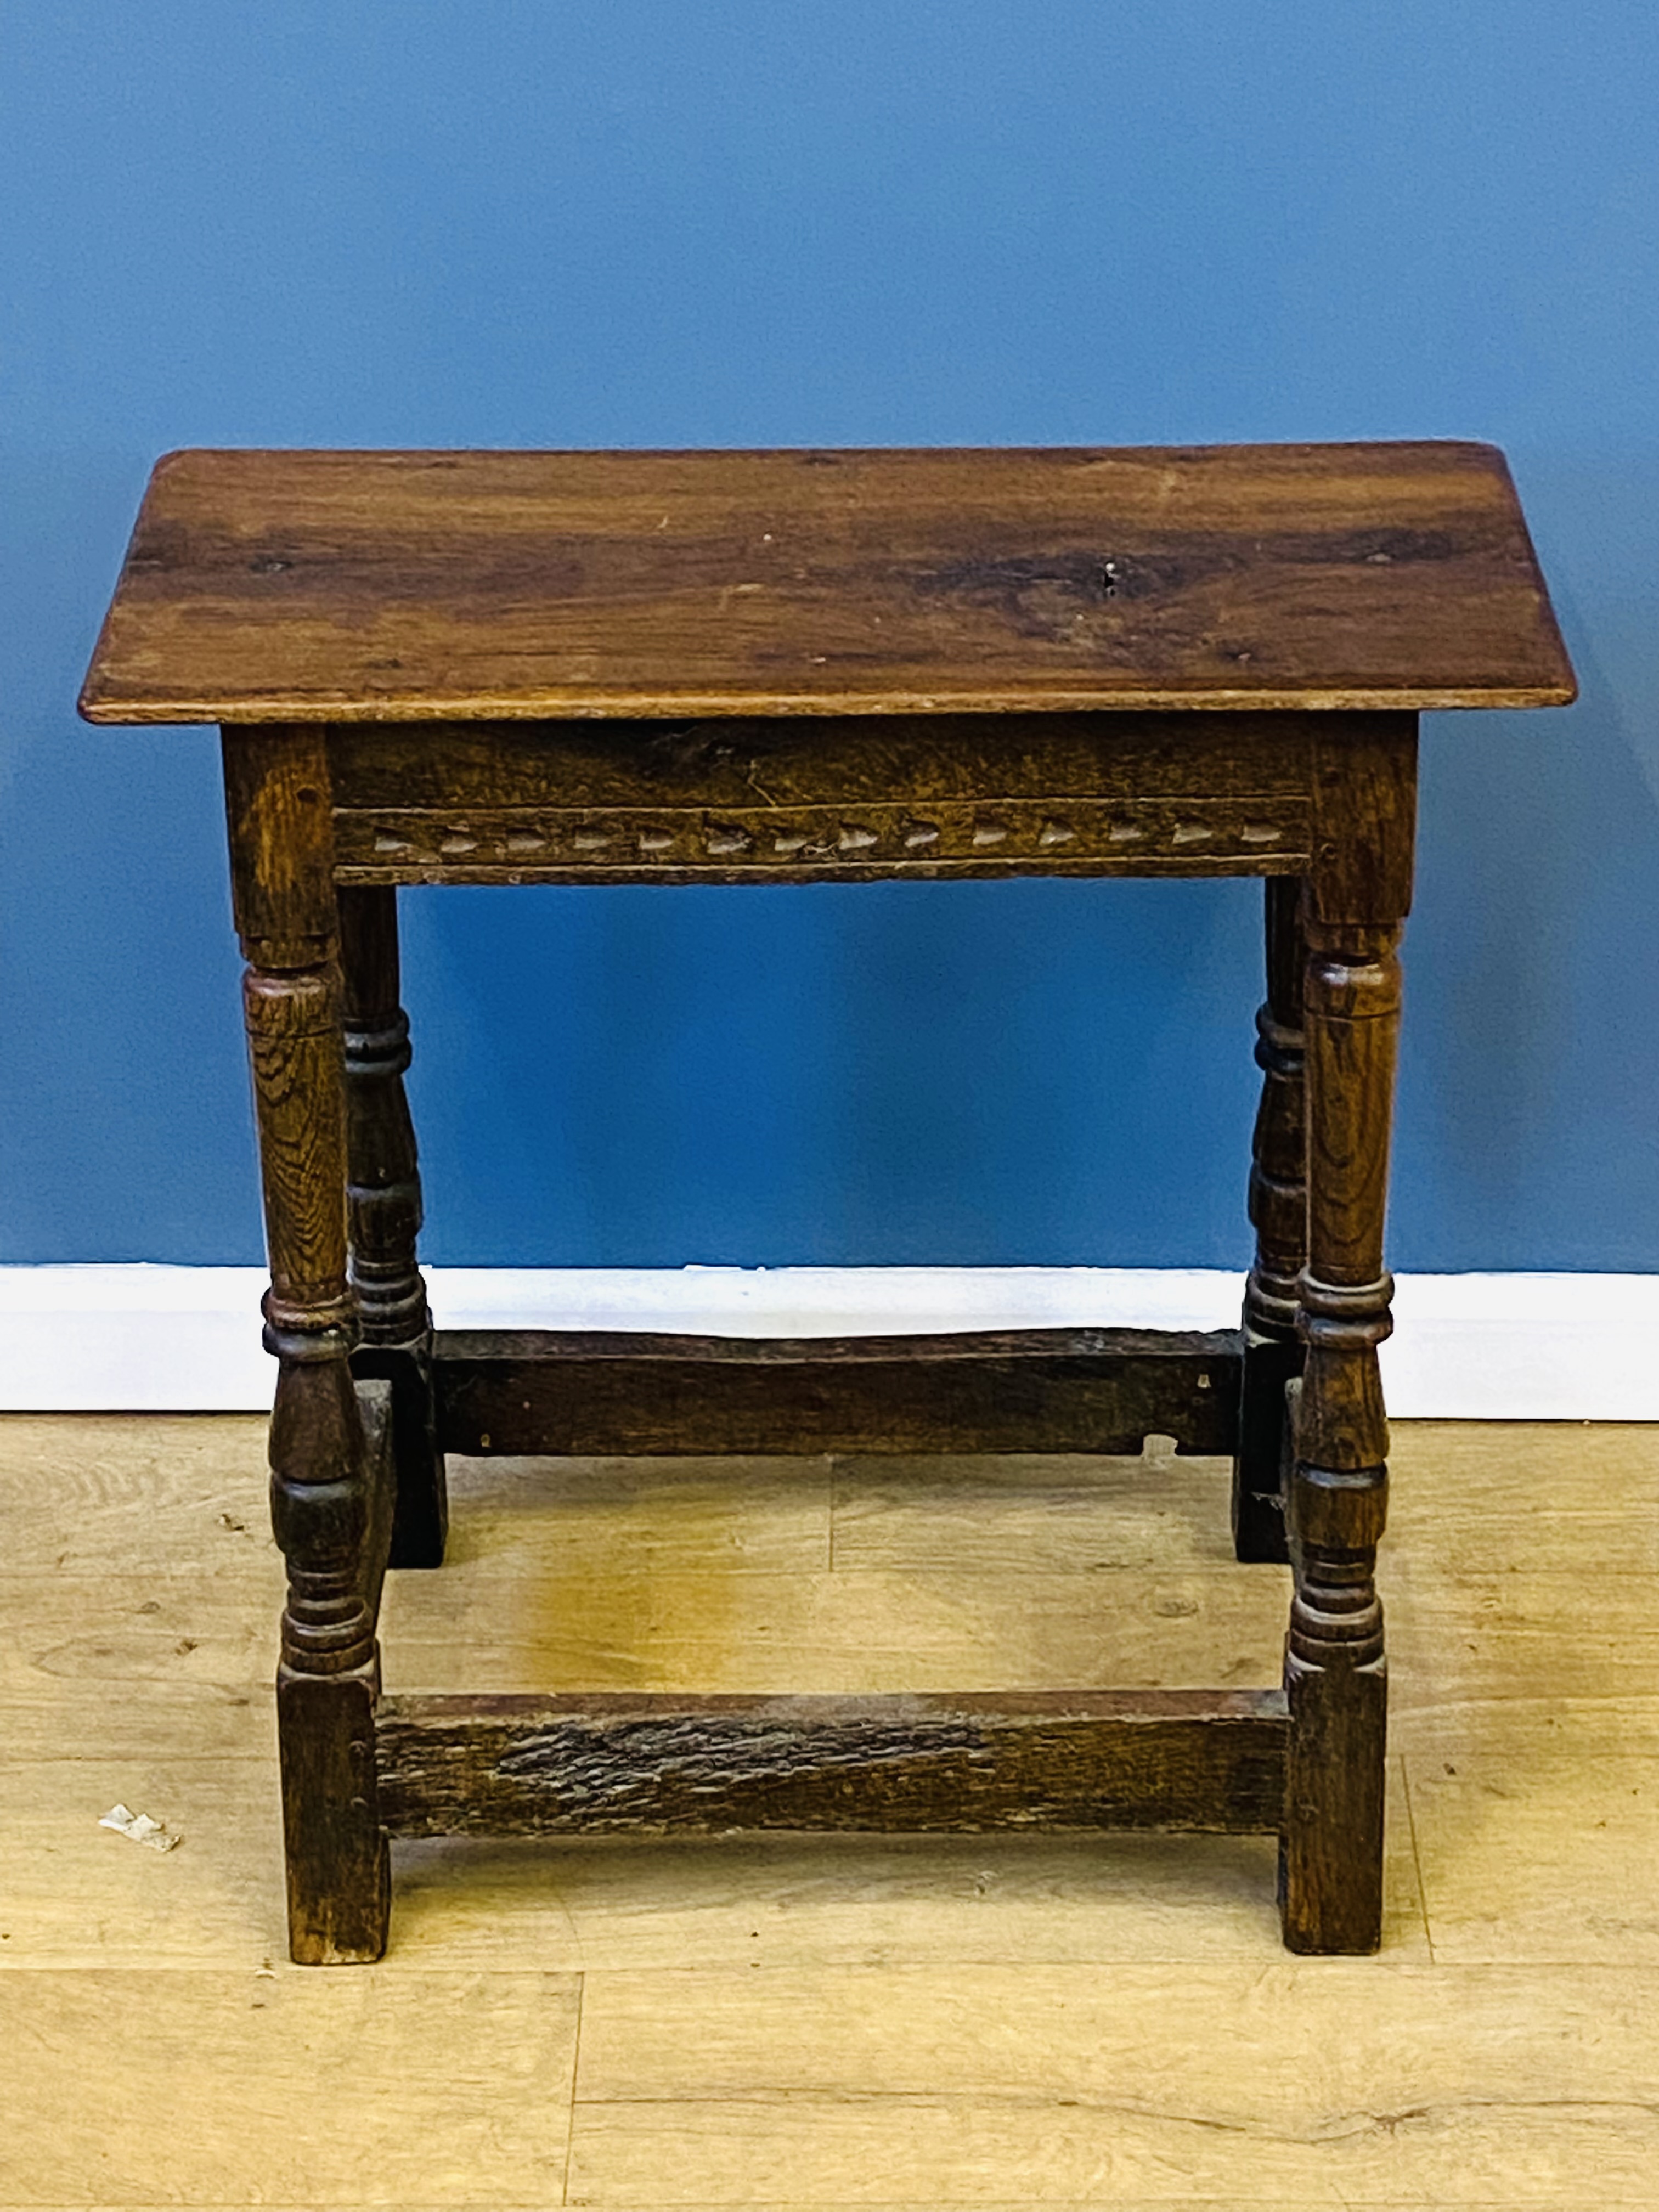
x,y
141,1828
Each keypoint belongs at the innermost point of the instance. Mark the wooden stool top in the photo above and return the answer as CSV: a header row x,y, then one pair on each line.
x,y
387,587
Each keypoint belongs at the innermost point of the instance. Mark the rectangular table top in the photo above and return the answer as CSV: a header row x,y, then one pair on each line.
x,y
401,586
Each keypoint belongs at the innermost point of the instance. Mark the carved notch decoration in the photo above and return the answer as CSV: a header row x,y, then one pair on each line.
x,y
1234,836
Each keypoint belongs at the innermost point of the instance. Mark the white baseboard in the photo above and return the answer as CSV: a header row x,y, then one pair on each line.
x,y
1466,1347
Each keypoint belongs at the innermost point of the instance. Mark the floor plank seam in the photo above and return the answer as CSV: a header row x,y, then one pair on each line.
x,y
570,2104
1417,1859
1084,2014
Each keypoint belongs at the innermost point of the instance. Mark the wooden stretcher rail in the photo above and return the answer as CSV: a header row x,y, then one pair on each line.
x,y
1035,1390
623,1764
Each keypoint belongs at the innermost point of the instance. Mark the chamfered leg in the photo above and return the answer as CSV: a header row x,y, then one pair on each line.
x,y
1279,1213
327,1494
384,1219
1335,1673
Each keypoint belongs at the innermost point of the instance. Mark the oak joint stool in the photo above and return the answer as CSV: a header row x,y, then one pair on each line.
x,y
749,668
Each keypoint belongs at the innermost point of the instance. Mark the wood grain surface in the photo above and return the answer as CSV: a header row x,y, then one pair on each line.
x,y
1194,1760
999,2020
332,587
745,799
1042,1389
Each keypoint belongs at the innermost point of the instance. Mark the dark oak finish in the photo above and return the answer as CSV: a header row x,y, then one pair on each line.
x,y
1041,1390
1335,1673
339,1867
383,1214
671,668
325,1488
740,800
652,1766
1279,1213
277,586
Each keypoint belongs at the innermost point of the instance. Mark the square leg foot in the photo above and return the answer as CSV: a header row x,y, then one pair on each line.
x,y
1330,1877
339,1867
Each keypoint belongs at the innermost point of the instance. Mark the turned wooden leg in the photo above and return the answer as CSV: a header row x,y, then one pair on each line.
x,y
1335,1675
1335,1671
326,1511
384,1219
1279,1213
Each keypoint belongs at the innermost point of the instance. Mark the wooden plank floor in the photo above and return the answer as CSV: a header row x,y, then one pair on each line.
x,y
993,2021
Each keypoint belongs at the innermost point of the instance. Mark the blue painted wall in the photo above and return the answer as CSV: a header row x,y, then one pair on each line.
x,y
885,222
